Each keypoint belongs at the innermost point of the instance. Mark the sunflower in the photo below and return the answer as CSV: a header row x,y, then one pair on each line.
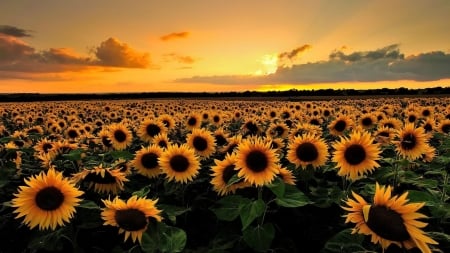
x,y
167,120
193,121
132,217
367,120
103,135
340,124
202,141
304,128
44,146
47,201
223,171
429,125
161,140
256,162
411,117
308,149
232,145
221,137
384,135
444,126
120,136
149,129
390,122
104,180
389,220
179,163
356,155
146,161
279,129
411,142
251,127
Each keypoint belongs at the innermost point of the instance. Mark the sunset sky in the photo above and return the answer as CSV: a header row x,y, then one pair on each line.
x,y
211,45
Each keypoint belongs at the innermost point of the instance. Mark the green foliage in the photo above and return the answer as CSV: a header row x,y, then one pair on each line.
x,y
259,237
163,238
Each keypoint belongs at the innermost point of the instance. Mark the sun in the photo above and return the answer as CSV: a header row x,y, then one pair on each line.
x,y
269,64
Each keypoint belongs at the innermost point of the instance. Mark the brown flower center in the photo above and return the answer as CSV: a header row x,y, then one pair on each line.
x,y
131,219
200,143
408,141
256,161
49,198
340,125
149,160
152,129
120,136
307,152
387,223
355,154
179,163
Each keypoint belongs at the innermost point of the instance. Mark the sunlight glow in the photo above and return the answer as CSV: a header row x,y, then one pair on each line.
x,y
270,65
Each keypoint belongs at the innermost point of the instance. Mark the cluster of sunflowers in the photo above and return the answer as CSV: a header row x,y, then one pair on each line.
x,y
138,165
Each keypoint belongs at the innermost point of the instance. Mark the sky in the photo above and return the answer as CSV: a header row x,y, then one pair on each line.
x,y
103,46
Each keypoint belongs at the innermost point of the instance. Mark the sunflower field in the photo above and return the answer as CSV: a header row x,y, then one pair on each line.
x,y
210,176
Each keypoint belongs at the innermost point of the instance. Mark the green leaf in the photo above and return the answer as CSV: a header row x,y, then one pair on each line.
x,y
344,241
88,204
142,192
292,197
259,238
229,208
422,196
121,154
74,155
251,211
234,179
163,238
8,139
441,237
173,211
277,187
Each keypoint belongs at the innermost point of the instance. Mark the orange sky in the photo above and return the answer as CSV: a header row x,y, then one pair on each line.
x,y
199,45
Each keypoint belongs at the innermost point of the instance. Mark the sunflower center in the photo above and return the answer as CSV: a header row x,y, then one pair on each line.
x,y
314,122
355,154
383,134
340,126
216,119
367,121
179,163
149,160
307,152
46,147
389,125
409,141
120,136
131,219
279,130
200,143
411,118
162,144
446,128
426,113
252,127
428,127
49,198
106,141
256,161
152,129
192,121
220,140
72,133
99,179
387,223
228,173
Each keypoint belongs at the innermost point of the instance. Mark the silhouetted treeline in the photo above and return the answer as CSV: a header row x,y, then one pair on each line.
x,y
292,94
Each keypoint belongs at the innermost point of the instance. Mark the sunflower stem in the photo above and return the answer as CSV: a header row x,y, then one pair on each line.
x,y
444,187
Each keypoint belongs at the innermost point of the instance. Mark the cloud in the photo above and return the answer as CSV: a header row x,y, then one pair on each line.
x,y
183,59
384,64
114,53
18,56
286,59
174,35
14,31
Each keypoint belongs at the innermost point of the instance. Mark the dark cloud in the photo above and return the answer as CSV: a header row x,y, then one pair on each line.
x,y
14,31
384,64
174,35
114,53
183,59
288,58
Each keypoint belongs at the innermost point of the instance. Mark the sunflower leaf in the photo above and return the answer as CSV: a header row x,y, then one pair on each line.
x,y
251,211
259,238
292,197
124,154
87,204
163,238
344,241
229,208
234,179
277,187
74,155
173,211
